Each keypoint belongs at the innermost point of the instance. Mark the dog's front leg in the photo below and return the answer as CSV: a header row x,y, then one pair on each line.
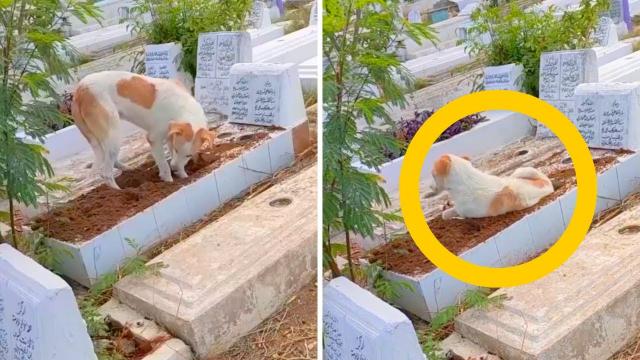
x,y
450,214
157,150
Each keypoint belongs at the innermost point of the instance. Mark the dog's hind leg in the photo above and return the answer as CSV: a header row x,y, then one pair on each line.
x,y
98,121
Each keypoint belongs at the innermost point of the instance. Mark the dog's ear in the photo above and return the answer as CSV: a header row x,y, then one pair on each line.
x,y
179,131
466,157
203,140
442,167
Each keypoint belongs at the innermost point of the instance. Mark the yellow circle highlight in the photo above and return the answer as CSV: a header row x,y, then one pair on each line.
x,y
410,194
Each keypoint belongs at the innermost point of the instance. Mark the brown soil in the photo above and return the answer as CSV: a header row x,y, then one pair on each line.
x,y
458,235
289,334
103,207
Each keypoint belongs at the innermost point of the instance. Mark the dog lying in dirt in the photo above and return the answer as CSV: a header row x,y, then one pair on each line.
x,y
163,108
476,194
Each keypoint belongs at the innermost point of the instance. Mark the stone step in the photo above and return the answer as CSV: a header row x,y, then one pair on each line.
x,y
228,277
587,309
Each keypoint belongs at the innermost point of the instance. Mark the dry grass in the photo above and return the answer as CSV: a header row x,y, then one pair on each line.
x,y
630,352
290,334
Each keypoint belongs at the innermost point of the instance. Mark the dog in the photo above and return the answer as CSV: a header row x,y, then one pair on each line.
x,y
165,109
477,195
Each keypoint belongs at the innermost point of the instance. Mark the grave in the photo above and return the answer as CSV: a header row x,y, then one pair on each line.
x,y
414,16
620,13
358,325
586,309
504,77
438,62
560,73
308,72
162,60
313,17
605,114
39,316
259,17
606,33
112,11
241,268
217,52
295,47
102,41
266,95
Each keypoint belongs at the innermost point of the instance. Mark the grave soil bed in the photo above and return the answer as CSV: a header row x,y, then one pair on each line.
x,y
402,256
102,208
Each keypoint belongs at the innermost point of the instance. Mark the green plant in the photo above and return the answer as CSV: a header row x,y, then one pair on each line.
x,y
360,79
100,293
520,36
33,54
443,320
182,21
387,290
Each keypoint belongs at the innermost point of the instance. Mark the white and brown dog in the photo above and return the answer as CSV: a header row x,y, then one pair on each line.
x,y
163,108
476,194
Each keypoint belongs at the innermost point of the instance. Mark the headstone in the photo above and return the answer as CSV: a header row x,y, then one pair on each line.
x,y
414,16
259,17
620,14
358,325
560,73
39,316
266,94
504,77
313,17
217,52
606,33
606,115
162,60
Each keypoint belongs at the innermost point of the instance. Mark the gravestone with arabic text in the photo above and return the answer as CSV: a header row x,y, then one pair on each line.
x,y
39,316
504,77
605,33
358,325
608,115
560,73
162,60
259,17
266,94
217,53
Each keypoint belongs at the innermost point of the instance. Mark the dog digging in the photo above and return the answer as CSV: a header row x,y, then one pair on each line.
x,y
458,235
102,208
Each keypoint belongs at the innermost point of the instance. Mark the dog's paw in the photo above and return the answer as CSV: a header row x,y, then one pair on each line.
x,y
166,177
182,174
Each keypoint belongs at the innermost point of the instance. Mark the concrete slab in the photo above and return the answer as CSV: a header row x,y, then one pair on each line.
x,y
227,278
587,309
174,349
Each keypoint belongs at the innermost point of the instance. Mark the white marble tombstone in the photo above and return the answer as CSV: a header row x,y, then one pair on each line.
x,y
358,325
162,60
217,52
39,316
619,12
414,16
608,115
266,94
504,77
560,73
606,33
259,17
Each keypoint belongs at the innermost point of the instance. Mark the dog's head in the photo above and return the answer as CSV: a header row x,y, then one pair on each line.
x,y
186,143
443,167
